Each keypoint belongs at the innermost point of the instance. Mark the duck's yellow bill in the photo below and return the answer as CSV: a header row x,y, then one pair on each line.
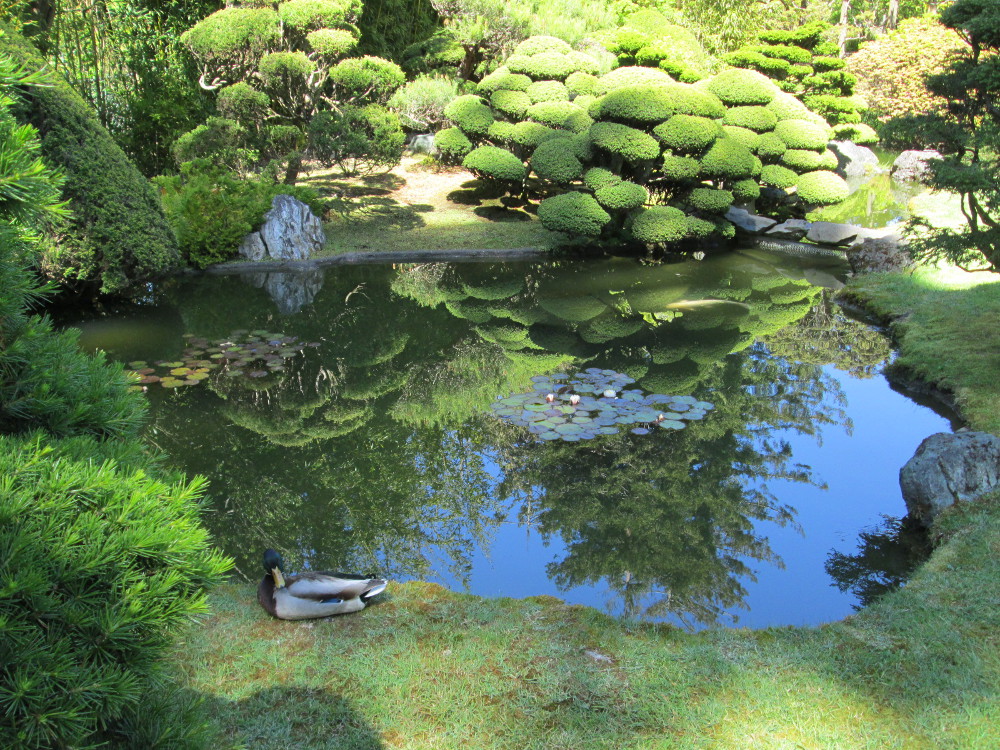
x,y
279,580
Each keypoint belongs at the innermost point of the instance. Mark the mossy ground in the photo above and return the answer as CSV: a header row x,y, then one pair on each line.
x,y
419,207
430,668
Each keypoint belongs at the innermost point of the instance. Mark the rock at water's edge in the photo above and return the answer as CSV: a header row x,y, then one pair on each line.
x,y
832,233
947,469
290,232
749,222
913,165
853,160
791,229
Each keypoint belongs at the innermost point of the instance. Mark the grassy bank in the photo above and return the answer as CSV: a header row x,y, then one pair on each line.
x,y
432,669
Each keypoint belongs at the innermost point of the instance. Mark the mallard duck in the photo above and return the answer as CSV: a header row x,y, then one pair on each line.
x,y
308,595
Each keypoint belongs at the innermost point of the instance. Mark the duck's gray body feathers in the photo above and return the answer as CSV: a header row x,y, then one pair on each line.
x,y
310,595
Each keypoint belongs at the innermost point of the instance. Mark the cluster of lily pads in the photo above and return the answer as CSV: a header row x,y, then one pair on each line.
x,y
595,402
251,354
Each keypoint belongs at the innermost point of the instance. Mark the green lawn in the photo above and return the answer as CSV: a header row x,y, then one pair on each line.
x,y
431,669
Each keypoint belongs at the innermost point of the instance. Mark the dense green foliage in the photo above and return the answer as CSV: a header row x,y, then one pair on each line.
x,y
892,70
117,234
803,64
357,140
971,168
101,562
639,139
211,210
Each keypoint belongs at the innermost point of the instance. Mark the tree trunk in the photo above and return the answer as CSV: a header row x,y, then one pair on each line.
x,y
293,168
845,9
892,17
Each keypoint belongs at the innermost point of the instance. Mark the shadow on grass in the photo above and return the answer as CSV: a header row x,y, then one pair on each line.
x,y
291,717
381,212
475,193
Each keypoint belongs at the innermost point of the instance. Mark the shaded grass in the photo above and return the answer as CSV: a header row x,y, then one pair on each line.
x,y
417,208
430,668
945,325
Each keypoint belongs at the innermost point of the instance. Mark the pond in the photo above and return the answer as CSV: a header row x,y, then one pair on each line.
x,y
366,418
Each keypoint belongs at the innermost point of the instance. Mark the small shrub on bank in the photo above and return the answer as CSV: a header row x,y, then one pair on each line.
x,y
211,211
357,140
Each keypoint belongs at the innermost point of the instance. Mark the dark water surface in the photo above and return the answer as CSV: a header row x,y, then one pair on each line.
x,y
344,417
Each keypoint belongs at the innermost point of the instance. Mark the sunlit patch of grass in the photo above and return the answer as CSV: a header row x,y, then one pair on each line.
x,y
431,668
419,209
945,324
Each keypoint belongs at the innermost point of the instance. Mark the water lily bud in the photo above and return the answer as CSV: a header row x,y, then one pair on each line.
x,y
574,399
550,397
610,393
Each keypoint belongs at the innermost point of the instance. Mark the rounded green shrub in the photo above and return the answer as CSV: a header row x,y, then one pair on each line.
x,y
747,138
584,102
304,15
756,118
770,146
630,76
333,43
452,143
494,163
229,35
470,114
500,130
547,91
538,44
803,134
740,87
511,103
530,134
801,160
660,225
727,159
563,115
778,176
556,160
822,64
680,168
787,107
574,213
368,77
502,78
580,83
623,196
597,177
859,133
638,103
628,41
745,191
583,63
687,134
790,52
103,566
242,103
834,108
710,200
821,188
631,144
754,60
544,66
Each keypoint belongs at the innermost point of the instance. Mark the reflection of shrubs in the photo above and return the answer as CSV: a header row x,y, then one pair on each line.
x,y
358,140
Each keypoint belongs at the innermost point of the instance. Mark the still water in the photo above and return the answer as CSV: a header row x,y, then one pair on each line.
x,y
344,417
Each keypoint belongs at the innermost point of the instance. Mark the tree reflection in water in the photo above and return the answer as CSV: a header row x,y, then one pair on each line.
x,y
377,450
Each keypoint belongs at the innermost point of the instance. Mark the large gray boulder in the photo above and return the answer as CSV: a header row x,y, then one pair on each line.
x,y
913,165
948,469
832,233
290,232
748,222
854,160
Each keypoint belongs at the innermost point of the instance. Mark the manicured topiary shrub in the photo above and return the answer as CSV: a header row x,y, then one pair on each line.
x,y
556,160
803,134
622,196
687,134
470,114
452,143
778,176
739,87
801,63
650,159
116,234
821,188
859,133
574,213
495,163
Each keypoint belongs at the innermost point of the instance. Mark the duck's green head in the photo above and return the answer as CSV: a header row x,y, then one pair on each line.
x,y
273,565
